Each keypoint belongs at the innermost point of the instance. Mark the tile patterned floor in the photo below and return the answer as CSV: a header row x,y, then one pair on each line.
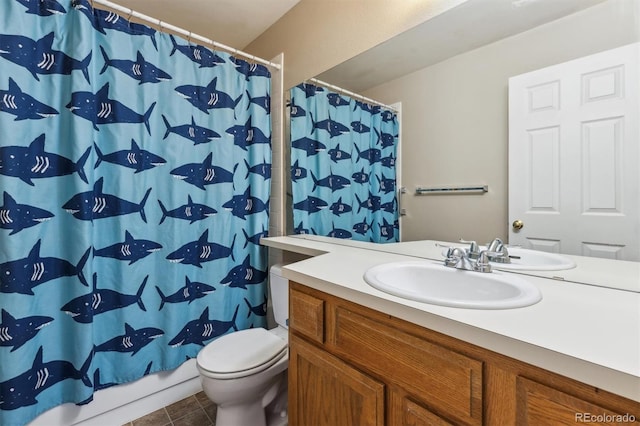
x,y
196,410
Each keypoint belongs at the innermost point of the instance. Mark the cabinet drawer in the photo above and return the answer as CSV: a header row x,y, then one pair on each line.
x,y
443,380
539,404
306,315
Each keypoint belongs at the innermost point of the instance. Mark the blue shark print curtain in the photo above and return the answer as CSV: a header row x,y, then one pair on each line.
x,y
343,166
134,188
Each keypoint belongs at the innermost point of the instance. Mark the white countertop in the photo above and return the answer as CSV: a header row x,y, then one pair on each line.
x,y
585,332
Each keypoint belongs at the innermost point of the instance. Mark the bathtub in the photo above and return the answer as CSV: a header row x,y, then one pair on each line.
x,y
120,404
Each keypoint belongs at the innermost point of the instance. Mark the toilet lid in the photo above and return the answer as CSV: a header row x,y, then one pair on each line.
x,y
241,351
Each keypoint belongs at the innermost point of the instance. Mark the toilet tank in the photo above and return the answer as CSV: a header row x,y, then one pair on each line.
x,y
279,295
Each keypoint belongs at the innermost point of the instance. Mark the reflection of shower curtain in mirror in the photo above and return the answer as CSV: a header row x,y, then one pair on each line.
x,y
343,166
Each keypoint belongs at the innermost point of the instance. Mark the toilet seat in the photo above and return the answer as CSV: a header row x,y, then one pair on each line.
x,y
241,354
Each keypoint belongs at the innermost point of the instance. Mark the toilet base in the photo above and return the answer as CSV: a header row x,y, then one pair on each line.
x,y
271,410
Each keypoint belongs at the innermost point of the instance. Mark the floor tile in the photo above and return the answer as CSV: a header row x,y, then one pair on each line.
x,y
194,418
182,408
157,418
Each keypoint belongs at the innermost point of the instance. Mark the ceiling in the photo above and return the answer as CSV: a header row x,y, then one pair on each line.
x,y
235,23
472,24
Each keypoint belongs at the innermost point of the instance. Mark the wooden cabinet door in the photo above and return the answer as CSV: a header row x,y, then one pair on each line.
x,y
403,410
329,392
538,404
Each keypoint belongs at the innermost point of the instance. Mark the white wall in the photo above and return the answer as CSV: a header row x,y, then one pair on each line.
x,y
455,118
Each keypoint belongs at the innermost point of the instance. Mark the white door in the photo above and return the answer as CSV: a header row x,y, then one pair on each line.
x,y
574,160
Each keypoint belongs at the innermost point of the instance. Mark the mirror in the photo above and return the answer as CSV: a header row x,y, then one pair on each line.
x,y
451,76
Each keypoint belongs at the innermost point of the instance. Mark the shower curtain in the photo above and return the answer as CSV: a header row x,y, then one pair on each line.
x,y
134,181
343,166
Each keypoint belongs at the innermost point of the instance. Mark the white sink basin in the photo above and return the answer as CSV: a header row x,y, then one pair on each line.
x,y
437,284
534,260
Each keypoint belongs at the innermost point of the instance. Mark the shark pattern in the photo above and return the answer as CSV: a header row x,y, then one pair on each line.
x,y
200,251
22,275
242,275
254,239
334,128
296,110
83,308
360,177
310,89
205,173
373,155
191,291
386,139
359,127
193,132
262,101
191,211
43,7
246,135
33,162
17,217
336,100
387,230
18,331
387,185
311,204
333,182
259,310
39,57
336,154
203,329
362,227
102,20
131,341
23,389
339,233
298,172
96,204
198,54
262,169
310,146
339,207
134,158
130,249
245,204
25,107
99,109
140,70
250,69
373,203
207,97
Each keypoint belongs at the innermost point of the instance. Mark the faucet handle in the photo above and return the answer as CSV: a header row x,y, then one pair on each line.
x,y
495,245
473,247
482,264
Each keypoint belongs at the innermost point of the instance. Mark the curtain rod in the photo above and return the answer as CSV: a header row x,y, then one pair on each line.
x,y
164,25
355,95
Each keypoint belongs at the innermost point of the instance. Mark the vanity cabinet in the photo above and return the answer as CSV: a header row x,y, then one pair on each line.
x,y
351,365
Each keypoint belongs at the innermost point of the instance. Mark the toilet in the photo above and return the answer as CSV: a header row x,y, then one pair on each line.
x,y
245,372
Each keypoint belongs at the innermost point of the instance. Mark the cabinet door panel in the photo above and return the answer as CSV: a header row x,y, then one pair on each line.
x,y
444,380
306,315
538,405
328,392
404,411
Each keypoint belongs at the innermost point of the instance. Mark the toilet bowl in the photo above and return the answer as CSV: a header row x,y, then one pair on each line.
x,y
244,373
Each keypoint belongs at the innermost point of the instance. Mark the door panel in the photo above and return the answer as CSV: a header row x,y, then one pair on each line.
x,y
574,160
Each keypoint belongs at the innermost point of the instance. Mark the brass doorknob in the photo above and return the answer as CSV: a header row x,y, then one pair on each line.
x,y
517,225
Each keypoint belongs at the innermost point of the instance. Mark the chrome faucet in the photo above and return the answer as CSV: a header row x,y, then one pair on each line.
x,y
459,258
498,251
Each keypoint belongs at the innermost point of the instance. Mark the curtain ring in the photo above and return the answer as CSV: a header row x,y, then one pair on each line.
x,y
189,37
160,24
130,15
